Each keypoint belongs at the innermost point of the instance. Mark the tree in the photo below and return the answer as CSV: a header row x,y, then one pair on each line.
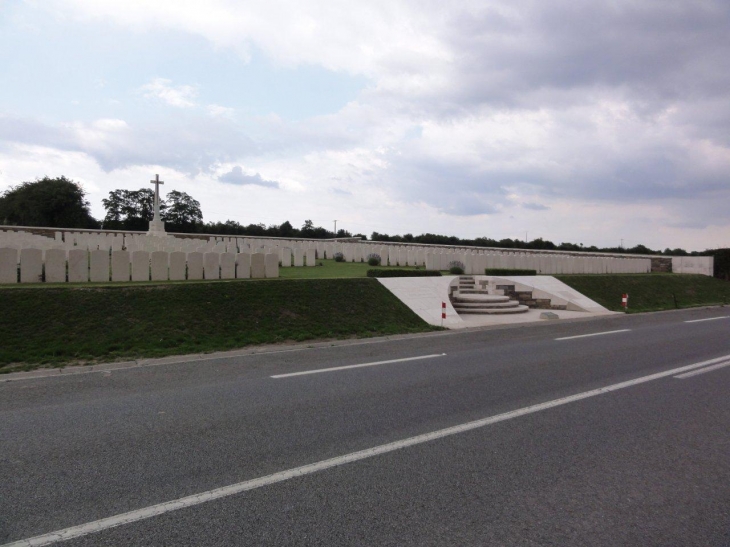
x,y
131,209
183,212
53,202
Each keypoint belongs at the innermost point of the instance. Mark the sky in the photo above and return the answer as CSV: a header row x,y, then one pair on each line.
x,y
588,122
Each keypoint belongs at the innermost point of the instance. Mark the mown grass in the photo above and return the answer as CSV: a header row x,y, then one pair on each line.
x,y
63,325
653,292
334,270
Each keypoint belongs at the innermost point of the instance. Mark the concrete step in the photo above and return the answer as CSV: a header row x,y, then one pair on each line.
x,y
492,311
485,305
479,297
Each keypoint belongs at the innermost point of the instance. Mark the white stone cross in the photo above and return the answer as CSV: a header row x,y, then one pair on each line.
x,y
157,227
157,183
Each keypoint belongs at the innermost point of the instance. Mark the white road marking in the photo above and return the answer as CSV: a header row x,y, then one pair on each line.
x,y
702,370
332,369
233,489
708,319
593,334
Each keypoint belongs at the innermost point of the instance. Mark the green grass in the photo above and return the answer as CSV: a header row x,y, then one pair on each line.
x,y
65,325
333,270
652,292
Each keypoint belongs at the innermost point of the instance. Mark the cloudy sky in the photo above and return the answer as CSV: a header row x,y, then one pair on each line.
x,y
588,122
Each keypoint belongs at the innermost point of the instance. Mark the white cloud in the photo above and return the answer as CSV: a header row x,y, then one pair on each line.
x,y
182,96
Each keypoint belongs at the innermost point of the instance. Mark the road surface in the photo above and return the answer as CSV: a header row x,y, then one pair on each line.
x,y
612,431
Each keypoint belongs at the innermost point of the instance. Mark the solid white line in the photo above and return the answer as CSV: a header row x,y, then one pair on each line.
x,y
233,489
593,334
317,371
702,370
708,319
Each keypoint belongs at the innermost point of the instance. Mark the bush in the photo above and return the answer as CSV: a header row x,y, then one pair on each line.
x,y
508,271
403,273
373,259
456,267
339,257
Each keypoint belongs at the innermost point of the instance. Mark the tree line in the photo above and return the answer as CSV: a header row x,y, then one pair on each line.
x,y
61,203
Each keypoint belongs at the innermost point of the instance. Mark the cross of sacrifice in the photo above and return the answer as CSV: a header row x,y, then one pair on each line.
x,y
157,183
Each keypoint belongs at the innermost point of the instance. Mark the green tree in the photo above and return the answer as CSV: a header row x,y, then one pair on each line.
x,y
182,213
131,209
53,202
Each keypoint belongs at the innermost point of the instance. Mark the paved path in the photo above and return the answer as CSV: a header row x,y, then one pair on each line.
x,y
535,435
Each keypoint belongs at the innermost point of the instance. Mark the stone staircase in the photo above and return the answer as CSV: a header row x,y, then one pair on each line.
x,y
467,298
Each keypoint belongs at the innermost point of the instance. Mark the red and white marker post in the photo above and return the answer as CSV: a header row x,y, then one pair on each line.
x,y
625,301
443,313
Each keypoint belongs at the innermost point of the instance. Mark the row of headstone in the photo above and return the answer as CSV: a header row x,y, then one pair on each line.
x,y
295,253
82,266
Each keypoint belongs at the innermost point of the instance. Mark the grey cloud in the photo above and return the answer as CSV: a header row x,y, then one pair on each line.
x,y
535,207
237,176
340,192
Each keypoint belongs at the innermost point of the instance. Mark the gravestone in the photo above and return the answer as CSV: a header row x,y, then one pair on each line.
x,y
311,258
211,265
286,257
243,265
159,260
140,266
272,265
55,266
99,260
78,266
195,266
298,258
258,265
120,266
31,266
228,266
177,266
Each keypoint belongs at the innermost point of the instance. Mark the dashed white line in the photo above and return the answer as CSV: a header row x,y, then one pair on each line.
x,y
592,334
233,489
346,367
702,370
708,319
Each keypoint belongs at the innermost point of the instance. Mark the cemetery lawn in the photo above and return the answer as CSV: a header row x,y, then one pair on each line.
x,y
58,326
651,292
334,270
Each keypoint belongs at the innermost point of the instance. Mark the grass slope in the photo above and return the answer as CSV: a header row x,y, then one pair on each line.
x,y
58,326
652,292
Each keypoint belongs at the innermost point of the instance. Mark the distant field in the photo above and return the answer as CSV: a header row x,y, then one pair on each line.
x,y
651,292
84,324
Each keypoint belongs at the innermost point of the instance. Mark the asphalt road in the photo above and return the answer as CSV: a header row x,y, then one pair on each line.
x,y
565,462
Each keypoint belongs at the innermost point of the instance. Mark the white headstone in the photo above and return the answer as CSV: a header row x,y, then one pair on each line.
x,y
195,265
228,266
258,265
177,266
311,258
120,266
285,257
78,266
140,266
243,265
272,265
211,265
298,258
55,266
99,260
31,266
159,261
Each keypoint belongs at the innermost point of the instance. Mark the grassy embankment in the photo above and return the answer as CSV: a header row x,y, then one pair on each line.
x,y
651,292
85,324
